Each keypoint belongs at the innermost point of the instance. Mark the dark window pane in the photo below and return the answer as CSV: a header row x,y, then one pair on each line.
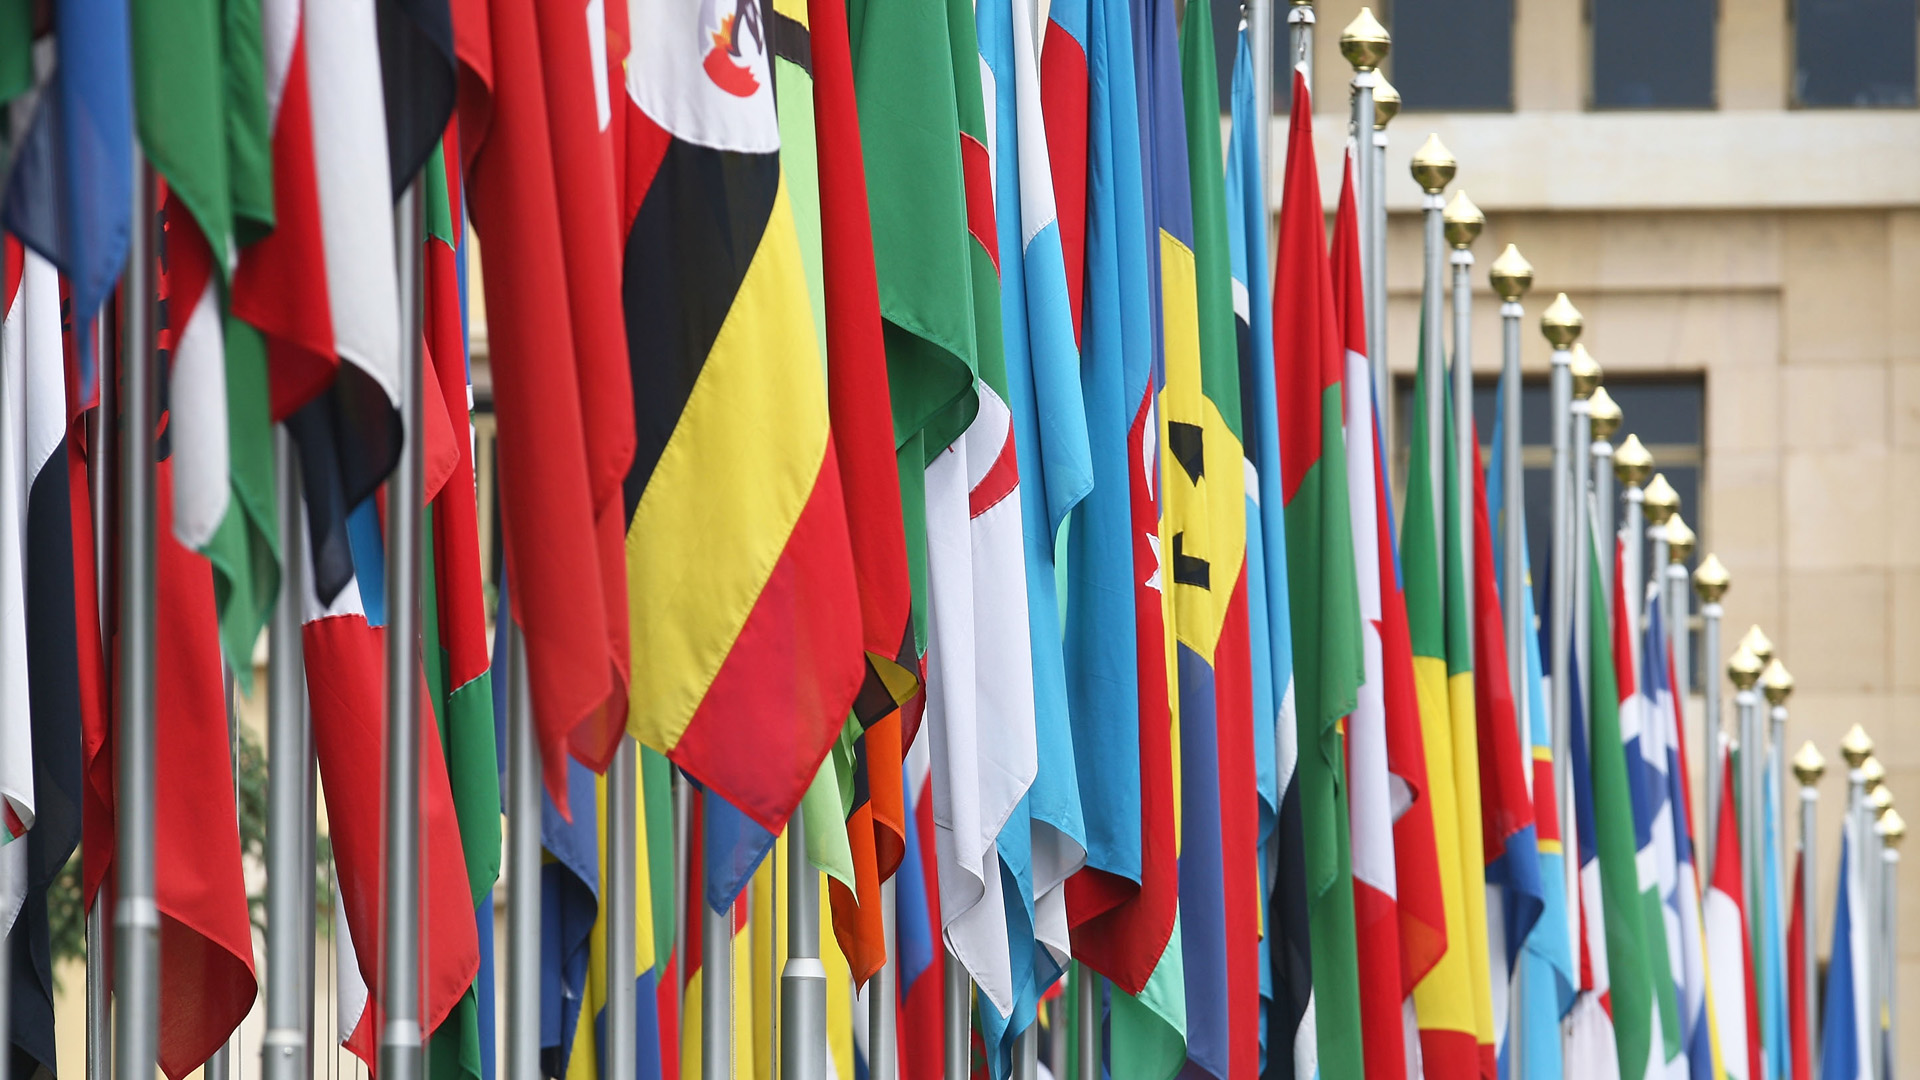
x,y
1226,45
1854,52
1453,54
1653,54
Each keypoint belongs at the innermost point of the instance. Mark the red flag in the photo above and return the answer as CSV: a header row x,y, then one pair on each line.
x,y
1797,976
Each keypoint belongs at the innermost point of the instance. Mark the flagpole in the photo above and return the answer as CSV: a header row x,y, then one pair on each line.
x,y
1560,324
716,992
1086,988
1461,222
6,936
219,1064
883,1055
1386,105
1661,502
100,465
523,867
622,925
1680,543
1631,466
136,918
1586,379
1776,686
682,873
1874,775
1808,766
1365,43
1300,37
1260,39
1710,581
1753,768
1511,276
1433,169
803,982
1605,418
1893,830
957,1023
1743,668
283,1050
1026,1052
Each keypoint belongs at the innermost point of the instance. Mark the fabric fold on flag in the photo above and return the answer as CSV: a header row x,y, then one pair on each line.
x,y
1729,965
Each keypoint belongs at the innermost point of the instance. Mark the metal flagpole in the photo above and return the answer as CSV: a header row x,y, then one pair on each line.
x,y
1631,466
957,1024
716,992
1776,684
1753,767
1743,668
1662,505
219,1064
1087,987
1605,418
136,919
1879,805
1874,776
1260,38
1680,542
1365,43
1300,37
1893,830
1512,276
1026,1053
622,897
803,982
1561,324
523,867
1386,105
774,960
100,466
1808,766
1433,168
1586,379
883,1055
283,1050
1710,581
1462,221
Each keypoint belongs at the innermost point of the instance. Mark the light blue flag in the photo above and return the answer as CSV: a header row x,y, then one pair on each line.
x,y
1772,962
1844,1049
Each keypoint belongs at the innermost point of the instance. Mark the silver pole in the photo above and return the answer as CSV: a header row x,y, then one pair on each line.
x,y
774,962
622,892
1679,614
1463,222
100,463
1512,276
1752,750
803,983
1777,762
1600,460
523,869
136,918
1086,986
1892,831
6,936
1300,38
283,1050
1260,39
1661,556
1632,535
958,1020
1711,614
1056,1042
716,992
883,1030
1880,964
1432,304
1376,268
1026,1053
1581,582
400,1047
219,1065
682,903
1561,325
1809,766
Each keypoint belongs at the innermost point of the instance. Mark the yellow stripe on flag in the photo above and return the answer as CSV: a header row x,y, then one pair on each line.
x,y
1444,999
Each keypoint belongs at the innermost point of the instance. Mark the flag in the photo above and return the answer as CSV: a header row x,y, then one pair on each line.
x,y
1546,964
1219,881
417,77
1515,893
1729,966
1375,881
1680,888
200,105
562,400
765,648
1447,1000
1630,948
1797,976
1591,1049
69,194
1309,363
922,963
50,635
705,857
1770,973
1846,1026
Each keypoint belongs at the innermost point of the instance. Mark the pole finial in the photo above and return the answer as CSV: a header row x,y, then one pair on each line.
x,y
1632,464
1662,501
1743,667
1893,828
1586,372
1711,579
1561,322
1856,747
1680,540
1365,42
1511,273
1757,641
1873,772
1776,680
1433,166
1463,220
1605,414
1880,800
1808,765
1386,104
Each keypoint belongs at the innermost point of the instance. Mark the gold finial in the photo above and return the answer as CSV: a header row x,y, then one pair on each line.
x,y
1433,166
1463,220
1711,579
1661,501
1386,104
1512,274
1880,799
1758,642
1856,747
1743,667
1893,828
1631,461
1776,680
1365,42
1872,772
1561,322
1680,540
1604,413
1586,372
1808,765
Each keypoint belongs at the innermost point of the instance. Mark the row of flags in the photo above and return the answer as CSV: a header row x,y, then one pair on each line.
x,y
904,422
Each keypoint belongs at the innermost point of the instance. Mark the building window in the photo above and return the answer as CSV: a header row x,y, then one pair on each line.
x,y
1452,55
1669,415
1854,53
1653,54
